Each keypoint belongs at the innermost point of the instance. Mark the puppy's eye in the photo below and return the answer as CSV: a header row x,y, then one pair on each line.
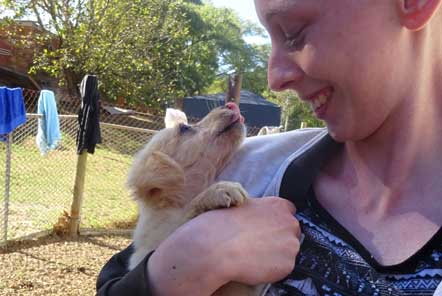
x,y
184,128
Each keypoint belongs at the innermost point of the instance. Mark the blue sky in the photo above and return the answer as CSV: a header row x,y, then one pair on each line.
x,y
245,9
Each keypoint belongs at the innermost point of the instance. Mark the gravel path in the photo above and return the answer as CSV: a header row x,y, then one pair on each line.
x,y
53,266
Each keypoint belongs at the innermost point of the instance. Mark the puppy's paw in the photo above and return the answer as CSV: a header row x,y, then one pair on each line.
x,y
228,194
219,195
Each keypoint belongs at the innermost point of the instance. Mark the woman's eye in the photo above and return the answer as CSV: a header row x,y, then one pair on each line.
x,y
184,128
295,41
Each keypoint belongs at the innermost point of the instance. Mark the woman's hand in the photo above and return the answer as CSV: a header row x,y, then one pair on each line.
x,y
253,244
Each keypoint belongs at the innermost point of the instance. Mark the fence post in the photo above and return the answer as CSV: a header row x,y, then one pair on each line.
x,y
74,218
303,124
7,185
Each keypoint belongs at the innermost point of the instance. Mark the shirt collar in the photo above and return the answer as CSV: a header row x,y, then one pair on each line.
x,y
300,174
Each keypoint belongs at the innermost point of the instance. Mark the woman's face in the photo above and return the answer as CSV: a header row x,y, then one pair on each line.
x,y
346,58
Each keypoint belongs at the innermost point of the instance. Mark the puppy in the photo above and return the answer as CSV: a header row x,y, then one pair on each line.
x,y
173,180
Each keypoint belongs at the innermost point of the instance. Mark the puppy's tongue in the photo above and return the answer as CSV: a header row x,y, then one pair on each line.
x,y
234,107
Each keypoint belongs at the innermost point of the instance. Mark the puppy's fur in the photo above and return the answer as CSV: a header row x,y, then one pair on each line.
x,y
174,117
172,179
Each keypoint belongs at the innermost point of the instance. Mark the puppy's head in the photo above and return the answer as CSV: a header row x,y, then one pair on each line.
x,y
184,159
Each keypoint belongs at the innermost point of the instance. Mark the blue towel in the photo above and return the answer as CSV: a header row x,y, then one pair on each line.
x,y
12,109
48,134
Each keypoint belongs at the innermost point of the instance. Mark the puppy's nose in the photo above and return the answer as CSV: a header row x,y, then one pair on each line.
x,y
232,106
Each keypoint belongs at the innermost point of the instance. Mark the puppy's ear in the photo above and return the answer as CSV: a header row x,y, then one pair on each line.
x,y
157,180
174,117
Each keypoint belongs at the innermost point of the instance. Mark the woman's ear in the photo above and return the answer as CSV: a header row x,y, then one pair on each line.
x,y
415,14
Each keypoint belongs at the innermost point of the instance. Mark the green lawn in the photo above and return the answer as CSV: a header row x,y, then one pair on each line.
x,y
41,187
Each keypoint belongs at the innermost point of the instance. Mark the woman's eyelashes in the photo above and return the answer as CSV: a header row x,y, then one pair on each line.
x,y
295,41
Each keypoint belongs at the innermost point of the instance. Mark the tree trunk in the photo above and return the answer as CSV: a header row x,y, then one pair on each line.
x,y
71,83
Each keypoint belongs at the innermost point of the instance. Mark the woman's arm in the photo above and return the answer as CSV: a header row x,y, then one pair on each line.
x,y
253,244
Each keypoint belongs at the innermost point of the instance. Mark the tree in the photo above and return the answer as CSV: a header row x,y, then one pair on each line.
x,y
217,47
254,71
255,76
294,111
145,51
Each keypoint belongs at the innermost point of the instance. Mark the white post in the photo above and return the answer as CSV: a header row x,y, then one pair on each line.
x,y
7,185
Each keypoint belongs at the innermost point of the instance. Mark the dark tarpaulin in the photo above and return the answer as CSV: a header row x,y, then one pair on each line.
x,y
89,115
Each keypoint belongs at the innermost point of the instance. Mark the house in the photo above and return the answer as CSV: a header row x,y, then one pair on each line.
x,y
257,111
16,60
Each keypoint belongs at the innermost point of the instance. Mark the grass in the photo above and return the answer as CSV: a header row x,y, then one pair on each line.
x,y
42,186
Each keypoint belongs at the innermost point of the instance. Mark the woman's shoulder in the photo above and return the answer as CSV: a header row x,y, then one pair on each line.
x,y
287,141
260,158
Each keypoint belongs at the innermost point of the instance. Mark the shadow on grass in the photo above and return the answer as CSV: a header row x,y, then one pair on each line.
x,y
20,246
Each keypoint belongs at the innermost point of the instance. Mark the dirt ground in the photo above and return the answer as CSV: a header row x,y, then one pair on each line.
x,y
55,266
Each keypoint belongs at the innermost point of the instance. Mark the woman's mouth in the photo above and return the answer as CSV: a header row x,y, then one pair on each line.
x,y
319,101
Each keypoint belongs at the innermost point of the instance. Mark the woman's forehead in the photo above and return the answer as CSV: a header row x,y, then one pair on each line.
x,y
268,9
275,6
271,9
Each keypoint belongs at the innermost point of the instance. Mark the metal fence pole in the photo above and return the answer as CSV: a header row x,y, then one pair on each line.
x,y
7,185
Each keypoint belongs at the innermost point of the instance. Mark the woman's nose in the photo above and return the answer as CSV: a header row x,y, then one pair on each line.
x,y
283,71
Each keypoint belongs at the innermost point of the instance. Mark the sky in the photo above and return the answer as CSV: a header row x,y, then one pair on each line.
x,y
246,10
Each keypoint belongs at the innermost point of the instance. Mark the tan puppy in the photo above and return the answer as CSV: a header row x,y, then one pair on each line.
x,y
172,179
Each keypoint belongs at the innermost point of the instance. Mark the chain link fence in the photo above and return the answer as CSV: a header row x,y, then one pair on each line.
x,y
38,189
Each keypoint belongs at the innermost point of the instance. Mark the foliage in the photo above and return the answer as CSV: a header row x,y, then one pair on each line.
x,y
255,78
145,51
151,52
254,74
294,111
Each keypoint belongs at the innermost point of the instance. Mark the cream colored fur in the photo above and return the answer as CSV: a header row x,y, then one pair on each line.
x,y
174,117
172,179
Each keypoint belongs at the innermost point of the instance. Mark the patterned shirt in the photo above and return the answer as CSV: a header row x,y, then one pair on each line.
x,y
332,262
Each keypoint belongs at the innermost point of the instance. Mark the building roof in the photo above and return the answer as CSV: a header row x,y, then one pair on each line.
x,y
247,97
257,110
11,78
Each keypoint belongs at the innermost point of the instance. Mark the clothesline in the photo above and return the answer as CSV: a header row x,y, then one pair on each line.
x,y
121,127
37,115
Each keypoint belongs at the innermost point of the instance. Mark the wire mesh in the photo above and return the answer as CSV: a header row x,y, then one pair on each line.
x,y
41,187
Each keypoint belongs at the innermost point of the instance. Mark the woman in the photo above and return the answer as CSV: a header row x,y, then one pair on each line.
x,y
369,207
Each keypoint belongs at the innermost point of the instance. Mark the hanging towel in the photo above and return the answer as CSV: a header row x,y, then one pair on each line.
x,y
48,134
89,115
12,110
